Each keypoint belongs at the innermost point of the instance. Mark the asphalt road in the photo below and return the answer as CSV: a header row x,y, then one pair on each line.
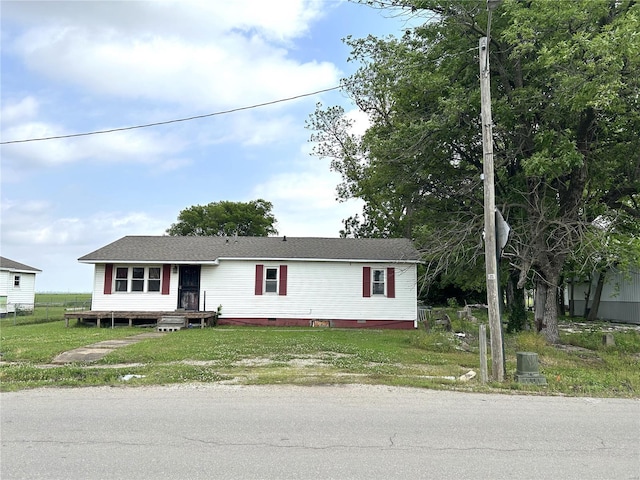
x,y
341,432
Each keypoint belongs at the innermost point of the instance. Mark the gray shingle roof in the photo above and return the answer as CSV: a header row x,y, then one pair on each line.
x,y
168,249
9,264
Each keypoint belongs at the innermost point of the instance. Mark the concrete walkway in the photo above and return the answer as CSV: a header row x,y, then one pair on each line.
x,y
96,351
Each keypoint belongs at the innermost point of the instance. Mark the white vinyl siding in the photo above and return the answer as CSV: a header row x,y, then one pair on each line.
x,y
316,290
137,301
4,282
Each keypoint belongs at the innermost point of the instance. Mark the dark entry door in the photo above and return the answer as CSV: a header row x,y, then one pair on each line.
x,y
189,287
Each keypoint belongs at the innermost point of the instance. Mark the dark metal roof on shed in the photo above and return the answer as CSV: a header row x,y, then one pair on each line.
x,y
169,249
8,264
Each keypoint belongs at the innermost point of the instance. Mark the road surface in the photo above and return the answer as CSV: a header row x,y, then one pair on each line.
x,y
321,432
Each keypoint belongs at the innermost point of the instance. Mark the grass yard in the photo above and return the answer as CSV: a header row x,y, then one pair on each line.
x,y
66,299
310,356
48,307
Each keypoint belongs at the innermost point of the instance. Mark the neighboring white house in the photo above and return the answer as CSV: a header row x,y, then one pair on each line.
x,y
342,282
17,286
619,301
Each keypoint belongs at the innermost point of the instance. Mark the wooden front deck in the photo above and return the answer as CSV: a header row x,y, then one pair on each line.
x,y
202,319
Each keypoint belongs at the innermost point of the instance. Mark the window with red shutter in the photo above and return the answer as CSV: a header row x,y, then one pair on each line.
x,y
366,281
391,282
166,278
108,278
258,284
282,287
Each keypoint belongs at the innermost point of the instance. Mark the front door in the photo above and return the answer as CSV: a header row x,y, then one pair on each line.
x,y
189,287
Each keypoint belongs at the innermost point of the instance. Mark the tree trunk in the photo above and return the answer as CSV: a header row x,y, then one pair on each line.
x,y
550,328
516,309
595,305
547,307
538,304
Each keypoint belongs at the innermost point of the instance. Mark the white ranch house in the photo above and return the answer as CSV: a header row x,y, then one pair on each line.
x,y
283,281
17,286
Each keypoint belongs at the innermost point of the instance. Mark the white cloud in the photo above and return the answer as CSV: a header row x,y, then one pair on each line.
x,y
264,132
179,57
361,121
34,224
232,53
138,146
305,201
18,111
195,19
32,233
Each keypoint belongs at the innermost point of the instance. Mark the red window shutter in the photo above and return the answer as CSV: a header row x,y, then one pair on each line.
x,y
259,276
366,281
282,285
108,278
391,282
166,278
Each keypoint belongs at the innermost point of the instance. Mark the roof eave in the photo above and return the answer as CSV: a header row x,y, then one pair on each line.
x,y
20,270
152,262
304,259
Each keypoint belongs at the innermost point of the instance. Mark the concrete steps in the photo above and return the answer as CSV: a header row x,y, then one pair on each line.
x,y
171,323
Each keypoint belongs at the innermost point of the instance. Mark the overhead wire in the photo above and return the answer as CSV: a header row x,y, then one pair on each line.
x,y
167,122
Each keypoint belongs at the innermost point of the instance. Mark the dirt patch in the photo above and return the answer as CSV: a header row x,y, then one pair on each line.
x,y
574,349
577,327
321,359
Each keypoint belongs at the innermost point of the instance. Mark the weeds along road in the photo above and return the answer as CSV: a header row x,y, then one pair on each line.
x,y
320,432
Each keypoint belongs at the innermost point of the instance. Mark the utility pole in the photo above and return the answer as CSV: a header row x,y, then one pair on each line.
x,y
490,250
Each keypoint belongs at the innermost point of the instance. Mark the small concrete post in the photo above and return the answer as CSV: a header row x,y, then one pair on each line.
x,y
608,340
483,353
527,368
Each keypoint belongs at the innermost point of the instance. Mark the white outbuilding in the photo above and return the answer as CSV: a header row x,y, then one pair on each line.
x,y
17,286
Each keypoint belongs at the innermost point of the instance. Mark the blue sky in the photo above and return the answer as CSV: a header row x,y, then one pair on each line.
x,y
71,67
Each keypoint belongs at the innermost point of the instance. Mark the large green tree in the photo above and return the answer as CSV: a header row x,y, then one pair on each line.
x,y
566,112
218,219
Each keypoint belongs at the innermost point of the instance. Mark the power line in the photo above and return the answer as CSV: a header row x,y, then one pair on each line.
x,y
166,122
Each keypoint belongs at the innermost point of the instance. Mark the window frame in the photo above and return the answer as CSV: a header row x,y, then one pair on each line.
x,y
275,282
119,280
155,280
384,286
17,279
138,279
380,284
